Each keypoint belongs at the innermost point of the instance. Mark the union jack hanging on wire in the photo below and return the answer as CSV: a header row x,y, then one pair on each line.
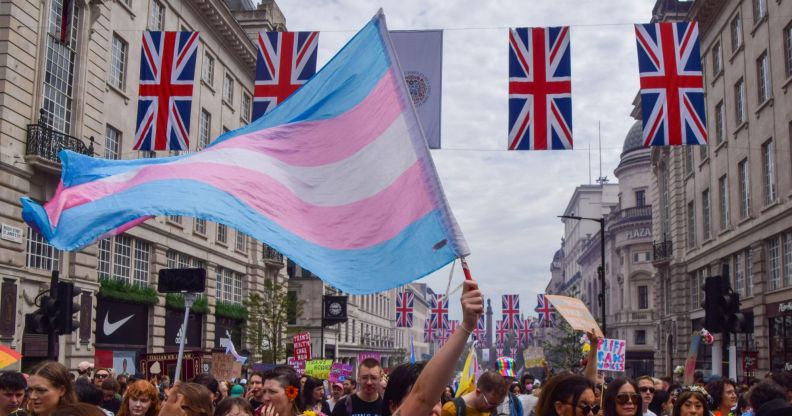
x,y
510,308
167,73
545,311
439,312
672,84
404,309
540,89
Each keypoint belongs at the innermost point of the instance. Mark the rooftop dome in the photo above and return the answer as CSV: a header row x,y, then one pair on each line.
x,y
634,138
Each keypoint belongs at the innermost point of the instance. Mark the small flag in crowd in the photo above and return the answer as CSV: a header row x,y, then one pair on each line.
x,y
439,311
286,60
167,73
467,380
510,308
404,309
525,332
545,310
501,332
412,349
429,332
672,84
540,88
8,356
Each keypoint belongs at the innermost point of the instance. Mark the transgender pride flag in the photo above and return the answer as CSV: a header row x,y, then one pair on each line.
x,y
338,178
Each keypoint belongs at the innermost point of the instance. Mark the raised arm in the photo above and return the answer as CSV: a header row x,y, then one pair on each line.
x,y
591,365
426,392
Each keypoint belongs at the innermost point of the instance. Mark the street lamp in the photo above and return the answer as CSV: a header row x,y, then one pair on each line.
x,y
601,269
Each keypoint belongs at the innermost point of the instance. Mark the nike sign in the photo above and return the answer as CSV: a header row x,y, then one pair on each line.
x,y
109,328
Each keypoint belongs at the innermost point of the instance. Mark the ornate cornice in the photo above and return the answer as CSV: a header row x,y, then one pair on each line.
x,y
217,14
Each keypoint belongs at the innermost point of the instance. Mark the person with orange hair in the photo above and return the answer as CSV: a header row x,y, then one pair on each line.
x,y
141,399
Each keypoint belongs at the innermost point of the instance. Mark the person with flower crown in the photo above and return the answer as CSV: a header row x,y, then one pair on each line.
x,y
692,401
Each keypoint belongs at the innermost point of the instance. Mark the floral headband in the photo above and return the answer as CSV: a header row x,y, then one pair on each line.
x,y
695,389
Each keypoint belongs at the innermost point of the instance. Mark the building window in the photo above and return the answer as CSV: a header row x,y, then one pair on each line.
x,y
688,160
745,191
736,33
643,297
245,109
157,16
768,171
760,9
640,198
118,61
788,259
788,49
291,314
763,77
199,226
204,129
717,59
720,123
125,258
697,290
241,241
177,219
112,143
691,225
739,102
228,89
59,72
774,263
147,154
222,233
749,272
40,254
706,219
229,286
723,201
207,71
176,260
665,209
640,337
739,273
703,152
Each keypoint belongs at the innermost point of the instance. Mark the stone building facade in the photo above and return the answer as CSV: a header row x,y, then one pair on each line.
x,y
729,203
76,89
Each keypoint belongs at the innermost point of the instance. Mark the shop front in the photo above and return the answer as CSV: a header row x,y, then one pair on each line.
x,y
780,322
173,330
121,334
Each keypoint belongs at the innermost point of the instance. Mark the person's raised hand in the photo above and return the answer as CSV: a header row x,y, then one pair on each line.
x,y
172,406
593,338
472,304
269,410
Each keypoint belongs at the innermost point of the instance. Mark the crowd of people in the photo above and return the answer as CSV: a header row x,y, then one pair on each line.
x,y
412,389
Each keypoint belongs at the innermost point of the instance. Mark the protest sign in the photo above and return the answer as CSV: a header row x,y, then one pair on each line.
x,y
339,372
302,345
533,357
297,365
318,368
223,366
369,354
575,313
611,354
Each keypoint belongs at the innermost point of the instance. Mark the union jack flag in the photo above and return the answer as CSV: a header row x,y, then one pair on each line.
x,y
404,309
540,89
480,331
499,351
545,310
510,308
429,333
167,72
672,85
285,61
501,332
439,312
443,335
525,332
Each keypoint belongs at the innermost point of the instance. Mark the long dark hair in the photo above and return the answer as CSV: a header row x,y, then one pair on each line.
x,y
565,387
307,400
609,400
400,381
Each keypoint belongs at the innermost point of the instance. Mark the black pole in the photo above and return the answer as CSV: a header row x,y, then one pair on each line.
x,y
52,337
321,324
602,274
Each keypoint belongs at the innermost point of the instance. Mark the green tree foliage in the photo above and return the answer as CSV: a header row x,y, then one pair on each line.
x,y
269,314
563,350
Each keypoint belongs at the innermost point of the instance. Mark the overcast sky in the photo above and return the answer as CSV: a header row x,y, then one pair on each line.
x,y
506,202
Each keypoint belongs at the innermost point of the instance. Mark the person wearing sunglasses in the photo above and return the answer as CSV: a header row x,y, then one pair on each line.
x,y
100,376
567,394
646,387
622,398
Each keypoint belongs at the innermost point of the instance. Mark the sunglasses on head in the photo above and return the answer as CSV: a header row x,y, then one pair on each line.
x,y
623,398
647,389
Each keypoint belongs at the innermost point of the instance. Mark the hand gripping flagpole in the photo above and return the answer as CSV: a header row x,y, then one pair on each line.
x,y
466,269
189,297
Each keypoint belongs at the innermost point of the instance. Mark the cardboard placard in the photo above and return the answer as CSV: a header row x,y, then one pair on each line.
x,y
533,357
223,367
318,368
611,354
576,313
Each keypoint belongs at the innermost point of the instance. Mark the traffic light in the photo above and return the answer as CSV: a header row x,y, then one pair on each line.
x,y
64,322
714,319
41,321
734,320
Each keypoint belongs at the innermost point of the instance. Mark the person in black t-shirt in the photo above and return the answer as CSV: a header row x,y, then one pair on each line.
x,y
367,401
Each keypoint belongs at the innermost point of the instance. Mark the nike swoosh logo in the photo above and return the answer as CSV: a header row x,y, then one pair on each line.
x,y
109,328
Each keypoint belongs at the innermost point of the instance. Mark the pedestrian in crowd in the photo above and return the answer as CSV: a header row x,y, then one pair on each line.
x,y
526,379
367,399
141,399
528,398
511,406
222,389
336,392
621,399
99,376
233,406
784,379
646,387
567,394
724,396
12,393
490,392
769,399
210,382
448,395
660,403
255,392
78,409
123,382
84,369
350,386
515,389
195,399
88,393
237,391
402,379
692,401
312,397
50,386
110,401
280,392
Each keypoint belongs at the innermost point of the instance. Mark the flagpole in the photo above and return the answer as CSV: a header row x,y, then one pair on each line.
x,y
466,269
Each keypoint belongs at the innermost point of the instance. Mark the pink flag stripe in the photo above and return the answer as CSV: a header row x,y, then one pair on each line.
x,y
379,218
316,143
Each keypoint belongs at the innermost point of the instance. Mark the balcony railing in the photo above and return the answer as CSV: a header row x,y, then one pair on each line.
x,y
271,255
46,142
662,250
632,214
